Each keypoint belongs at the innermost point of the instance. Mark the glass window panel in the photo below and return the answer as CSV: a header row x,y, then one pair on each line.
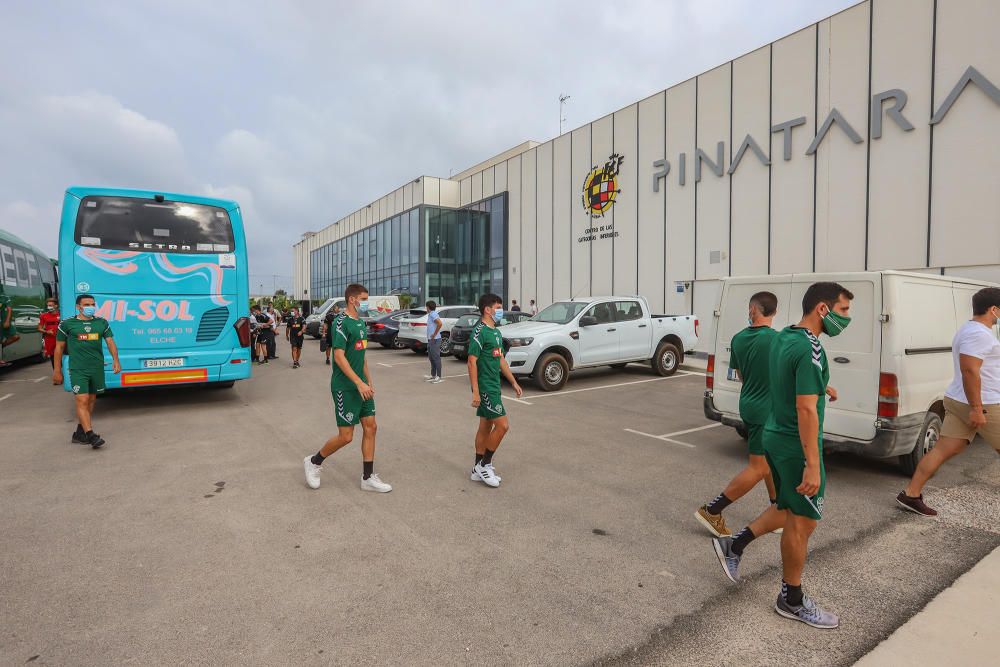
x,y
395,242
404,240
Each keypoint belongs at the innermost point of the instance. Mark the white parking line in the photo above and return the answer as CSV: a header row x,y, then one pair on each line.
x,y
404,363
516,400
664,439
460,375
690,430
35,380
609,386
40,379
5,397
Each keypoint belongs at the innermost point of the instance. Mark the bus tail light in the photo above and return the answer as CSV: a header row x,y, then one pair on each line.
x,y
888,395
242,327
710,372
697,328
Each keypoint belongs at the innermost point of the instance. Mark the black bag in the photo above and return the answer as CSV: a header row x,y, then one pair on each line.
x,y
323,344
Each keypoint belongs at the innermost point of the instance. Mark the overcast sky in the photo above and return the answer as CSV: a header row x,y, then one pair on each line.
x,y
305,111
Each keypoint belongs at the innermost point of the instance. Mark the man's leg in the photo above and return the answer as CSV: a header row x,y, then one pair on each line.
x,y
482,436
343,437
499,428
945,449
84,407
794,547
369,428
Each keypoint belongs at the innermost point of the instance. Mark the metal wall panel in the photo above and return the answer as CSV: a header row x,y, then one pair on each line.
x,y
601,251
712,191
650,201
563,202
680,256
524,283
579,219
543,224
624,279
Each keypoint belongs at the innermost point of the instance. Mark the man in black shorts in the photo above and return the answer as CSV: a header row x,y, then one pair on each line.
x,y
295,330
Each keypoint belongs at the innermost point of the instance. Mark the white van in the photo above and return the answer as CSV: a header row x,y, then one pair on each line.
x,y
890,367
377,306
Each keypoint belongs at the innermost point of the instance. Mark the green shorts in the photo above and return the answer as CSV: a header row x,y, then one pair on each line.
x,y
755,439
350,407
8,332
87,381
490,405
786,471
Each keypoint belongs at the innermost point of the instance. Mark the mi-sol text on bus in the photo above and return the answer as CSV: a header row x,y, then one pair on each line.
x,y
169,272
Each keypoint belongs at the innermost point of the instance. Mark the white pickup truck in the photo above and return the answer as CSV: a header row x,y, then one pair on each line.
x,y
596,331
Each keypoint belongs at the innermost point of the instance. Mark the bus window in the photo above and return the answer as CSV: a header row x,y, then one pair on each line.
x,y
23,276
125,223
8,269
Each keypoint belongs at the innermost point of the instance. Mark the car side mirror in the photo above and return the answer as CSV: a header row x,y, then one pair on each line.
x,y
588,321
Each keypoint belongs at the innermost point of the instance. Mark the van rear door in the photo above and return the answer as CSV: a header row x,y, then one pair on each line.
x,y
854,355
733,319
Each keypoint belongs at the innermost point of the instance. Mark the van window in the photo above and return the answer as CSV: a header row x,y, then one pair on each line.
x,y
920,304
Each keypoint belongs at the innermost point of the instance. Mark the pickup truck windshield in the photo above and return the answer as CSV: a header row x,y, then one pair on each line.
x,y
561,312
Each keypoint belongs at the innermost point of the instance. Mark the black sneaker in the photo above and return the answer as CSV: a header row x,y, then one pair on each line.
x,y
327,362
95,440
79,437
915,505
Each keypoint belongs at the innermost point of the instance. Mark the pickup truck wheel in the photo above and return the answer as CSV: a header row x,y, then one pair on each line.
x,y
552,372
667,359
928,437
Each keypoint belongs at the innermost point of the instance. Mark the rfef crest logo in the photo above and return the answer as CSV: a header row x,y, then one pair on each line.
x,y
600,188
361,344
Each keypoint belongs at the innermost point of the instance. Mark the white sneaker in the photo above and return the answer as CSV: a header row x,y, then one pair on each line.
x,y
475,475
486,476
428,378
312,472
436,380
373,483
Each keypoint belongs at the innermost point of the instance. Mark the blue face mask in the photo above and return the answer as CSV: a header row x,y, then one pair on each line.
x,y
89,310
363,306
498,314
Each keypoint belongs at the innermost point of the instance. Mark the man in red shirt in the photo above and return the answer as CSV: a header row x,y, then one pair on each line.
x,y
48,322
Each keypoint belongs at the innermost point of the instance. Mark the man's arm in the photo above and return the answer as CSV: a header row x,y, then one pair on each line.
x,y
341,360
972,383
438,325
57,356
116,367
805,407
505,370
474,377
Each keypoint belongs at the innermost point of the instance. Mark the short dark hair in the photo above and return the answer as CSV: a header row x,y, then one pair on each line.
x,y
354,289
766,302
985,299
513,300
256,306
81,297
828,293
431,305
487,301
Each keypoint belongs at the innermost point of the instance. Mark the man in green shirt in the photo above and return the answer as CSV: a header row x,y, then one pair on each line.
x,y
486,364
750,352
83,338
353,397
793,445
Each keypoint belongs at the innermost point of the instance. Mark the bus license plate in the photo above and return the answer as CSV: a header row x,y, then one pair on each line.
x,y
162,363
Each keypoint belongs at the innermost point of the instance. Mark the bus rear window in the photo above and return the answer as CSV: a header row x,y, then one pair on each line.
x,y
126,223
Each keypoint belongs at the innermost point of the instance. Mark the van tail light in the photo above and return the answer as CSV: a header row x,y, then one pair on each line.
x,y
242,327
888,395
710,373
697,328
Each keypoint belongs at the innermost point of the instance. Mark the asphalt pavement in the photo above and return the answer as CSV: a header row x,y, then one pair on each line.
x,y
192,538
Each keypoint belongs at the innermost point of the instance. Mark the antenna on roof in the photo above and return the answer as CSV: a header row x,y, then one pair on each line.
x,y
562,106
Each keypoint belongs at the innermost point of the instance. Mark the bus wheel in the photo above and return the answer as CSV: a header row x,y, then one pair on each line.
x,y
224,385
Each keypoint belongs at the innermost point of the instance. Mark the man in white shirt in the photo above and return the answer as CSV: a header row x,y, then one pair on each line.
x,y
972,400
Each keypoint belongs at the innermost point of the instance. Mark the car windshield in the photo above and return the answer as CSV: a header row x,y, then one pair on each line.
x,y
561,312
467,321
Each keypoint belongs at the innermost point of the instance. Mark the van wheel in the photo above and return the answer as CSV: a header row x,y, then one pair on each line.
x,y
552,372
667,359
929,434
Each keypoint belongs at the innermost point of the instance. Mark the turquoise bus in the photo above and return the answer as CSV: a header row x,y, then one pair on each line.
x,y
27,279
169,272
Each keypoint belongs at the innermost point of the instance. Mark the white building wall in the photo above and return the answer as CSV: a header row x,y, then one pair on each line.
x,y
649,201
543,229
920,198
624,246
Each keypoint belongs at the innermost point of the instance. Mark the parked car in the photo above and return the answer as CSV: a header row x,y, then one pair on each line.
x,y
377,305
413,330
466,323
597,331
890,367
384,330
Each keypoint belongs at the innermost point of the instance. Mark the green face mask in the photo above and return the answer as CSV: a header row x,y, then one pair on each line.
x,y
835,323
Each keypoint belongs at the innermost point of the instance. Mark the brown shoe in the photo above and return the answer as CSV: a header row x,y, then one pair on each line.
x,y
915,505
714,522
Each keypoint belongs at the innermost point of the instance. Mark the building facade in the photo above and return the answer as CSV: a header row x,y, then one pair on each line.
x,y
869,140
